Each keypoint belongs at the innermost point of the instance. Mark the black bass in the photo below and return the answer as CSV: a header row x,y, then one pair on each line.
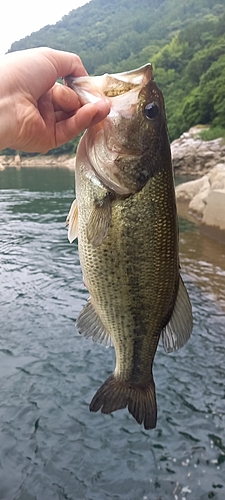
x,y
126,221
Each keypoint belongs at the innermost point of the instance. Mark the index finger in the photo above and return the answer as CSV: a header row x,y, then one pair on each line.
x,y
65,63
36,70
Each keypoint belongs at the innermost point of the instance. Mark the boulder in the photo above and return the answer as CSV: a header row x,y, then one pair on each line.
x,y
193,156
206,197
188,190
214,213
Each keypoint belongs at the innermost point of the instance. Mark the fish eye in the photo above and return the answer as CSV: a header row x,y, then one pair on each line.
x,y
151,110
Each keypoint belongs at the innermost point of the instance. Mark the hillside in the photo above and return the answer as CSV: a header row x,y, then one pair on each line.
x,y
185,41
110,35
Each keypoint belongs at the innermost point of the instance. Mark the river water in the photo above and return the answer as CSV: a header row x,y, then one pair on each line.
x,y
51,446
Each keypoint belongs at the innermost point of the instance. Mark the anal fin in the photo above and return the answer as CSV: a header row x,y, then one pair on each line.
x,y
116,394
177,332
90,325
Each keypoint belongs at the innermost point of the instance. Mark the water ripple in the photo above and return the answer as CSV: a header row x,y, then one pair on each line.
x,y
51,446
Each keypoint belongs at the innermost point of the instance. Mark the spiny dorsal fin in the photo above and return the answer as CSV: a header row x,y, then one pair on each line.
x,y
99,221
90,325
178,330
72,222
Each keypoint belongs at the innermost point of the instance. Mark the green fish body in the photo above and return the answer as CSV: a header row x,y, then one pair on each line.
x,y
126,221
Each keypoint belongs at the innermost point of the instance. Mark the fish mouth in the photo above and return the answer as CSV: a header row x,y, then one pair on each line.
x,y
108,86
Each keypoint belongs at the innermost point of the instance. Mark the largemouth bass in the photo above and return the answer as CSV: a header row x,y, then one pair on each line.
x,y
126,221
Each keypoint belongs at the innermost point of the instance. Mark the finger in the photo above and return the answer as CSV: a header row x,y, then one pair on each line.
x,y
62,115
65,63
64,98
103,111
42,66
46,110
85,117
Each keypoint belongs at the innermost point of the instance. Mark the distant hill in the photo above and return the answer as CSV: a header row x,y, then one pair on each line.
x,y
185,41
114,34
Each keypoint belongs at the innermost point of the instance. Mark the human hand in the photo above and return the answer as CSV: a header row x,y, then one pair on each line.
x,y
37,114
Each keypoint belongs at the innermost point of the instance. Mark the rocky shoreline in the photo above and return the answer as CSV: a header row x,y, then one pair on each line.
x,y
204,197
205,200
18,161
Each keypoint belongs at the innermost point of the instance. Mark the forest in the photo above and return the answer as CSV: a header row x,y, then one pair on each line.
x,y
184,41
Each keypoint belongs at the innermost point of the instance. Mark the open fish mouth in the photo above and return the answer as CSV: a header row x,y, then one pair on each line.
x,y
93,88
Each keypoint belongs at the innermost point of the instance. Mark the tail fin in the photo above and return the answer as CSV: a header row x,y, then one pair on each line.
x,y
116,394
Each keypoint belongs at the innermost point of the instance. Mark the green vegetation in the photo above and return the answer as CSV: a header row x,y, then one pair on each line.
x,y
191,72
185,42
66,149
212,133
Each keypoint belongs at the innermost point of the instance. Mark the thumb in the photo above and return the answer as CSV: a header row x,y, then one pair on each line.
x,y
85,117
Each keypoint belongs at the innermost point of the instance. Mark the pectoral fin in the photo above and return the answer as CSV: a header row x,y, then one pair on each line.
x,y
178,330
72,222
90,325
99,221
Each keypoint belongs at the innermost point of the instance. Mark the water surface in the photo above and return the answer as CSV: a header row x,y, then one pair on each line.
x,y
52,447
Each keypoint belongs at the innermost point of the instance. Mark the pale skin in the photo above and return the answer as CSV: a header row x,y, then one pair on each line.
x,y
36,113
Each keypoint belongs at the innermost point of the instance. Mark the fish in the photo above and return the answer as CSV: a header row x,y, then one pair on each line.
x,y
125,219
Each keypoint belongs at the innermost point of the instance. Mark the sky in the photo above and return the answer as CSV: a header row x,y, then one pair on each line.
x,y
19,18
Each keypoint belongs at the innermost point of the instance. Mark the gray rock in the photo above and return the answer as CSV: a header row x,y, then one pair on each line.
x,y
214,213
192,156
206,197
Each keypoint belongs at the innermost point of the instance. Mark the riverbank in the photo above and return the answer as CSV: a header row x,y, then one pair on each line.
x,y
191,156
65,161
203,198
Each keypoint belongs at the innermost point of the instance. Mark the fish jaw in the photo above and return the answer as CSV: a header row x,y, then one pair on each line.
x,y
138,76
93,88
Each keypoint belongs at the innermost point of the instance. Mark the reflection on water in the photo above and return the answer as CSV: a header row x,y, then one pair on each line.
x,y
51,446
204,261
